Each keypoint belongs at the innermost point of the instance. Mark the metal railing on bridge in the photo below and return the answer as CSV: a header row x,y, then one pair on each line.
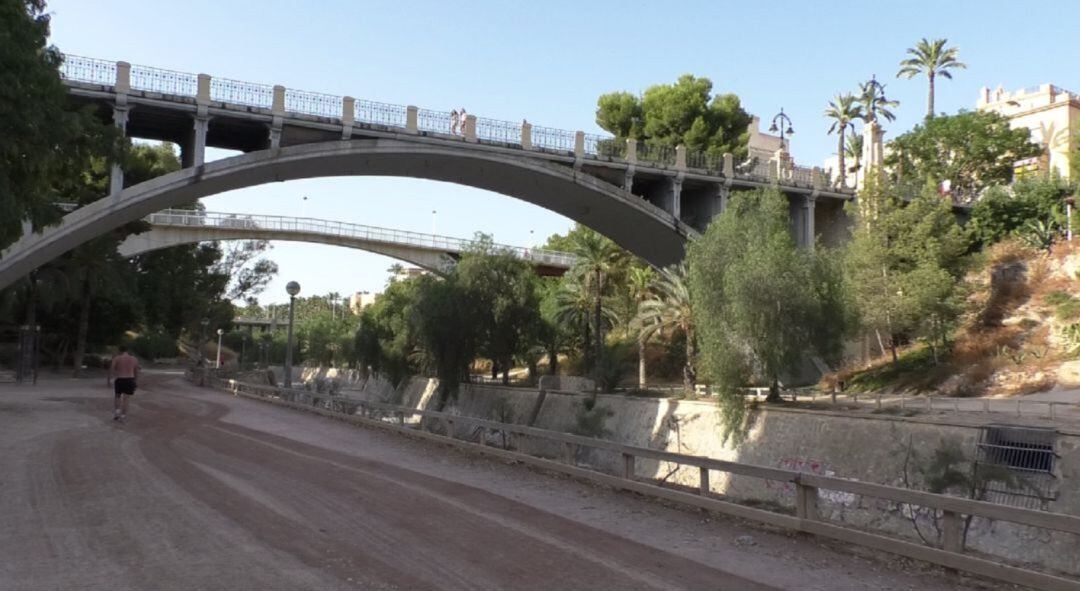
x,y
384,115
187,218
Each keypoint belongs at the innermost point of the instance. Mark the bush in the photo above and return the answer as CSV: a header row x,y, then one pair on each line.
x,y
609,372
154,345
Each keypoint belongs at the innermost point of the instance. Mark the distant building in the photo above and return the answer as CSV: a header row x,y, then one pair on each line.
x,y
762,145
360,300
403,273
1052,114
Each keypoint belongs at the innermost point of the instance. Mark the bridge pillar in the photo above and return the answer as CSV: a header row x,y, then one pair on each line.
x,y
631,150
628,178
277,109
673,198
579,144
412,119
729,165
470,128
348,116
807,233
194,153
720,198
680,157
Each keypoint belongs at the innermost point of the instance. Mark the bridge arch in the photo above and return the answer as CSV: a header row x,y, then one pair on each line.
x,y
630,221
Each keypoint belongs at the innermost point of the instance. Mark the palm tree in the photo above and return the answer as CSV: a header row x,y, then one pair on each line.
x,y
872,100
640,281
596,256
573,306
843,110
670,309
854,149
933,59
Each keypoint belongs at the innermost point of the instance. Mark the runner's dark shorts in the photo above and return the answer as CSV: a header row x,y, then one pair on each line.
x,y
124,386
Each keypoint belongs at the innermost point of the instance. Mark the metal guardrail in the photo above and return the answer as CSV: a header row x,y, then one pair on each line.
x,y
188,218
807,517
299,102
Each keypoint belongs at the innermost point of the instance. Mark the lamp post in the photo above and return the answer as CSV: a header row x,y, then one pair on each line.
x,y
220,333
778,123
875,93
292,288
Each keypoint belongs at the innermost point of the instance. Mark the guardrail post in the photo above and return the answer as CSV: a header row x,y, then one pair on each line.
x,y
526,135
579,144
703,481
729,165
412,123
952,532
470,128
680,157
628,466
277,106
122,85
631,150
806,501
202,93
348,116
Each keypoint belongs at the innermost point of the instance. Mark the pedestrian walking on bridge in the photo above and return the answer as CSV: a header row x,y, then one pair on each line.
x,y
123,372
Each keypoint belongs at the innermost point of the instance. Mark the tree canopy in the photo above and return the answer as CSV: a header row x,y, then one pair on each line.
x,y
685,112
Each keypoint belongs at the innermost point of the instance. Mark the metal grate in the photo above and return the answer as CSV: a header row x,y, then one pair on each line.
x,y
1028,454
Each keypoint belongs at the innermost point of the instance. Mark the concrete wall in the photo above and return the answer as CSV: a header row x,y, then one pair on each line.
x,y
869,448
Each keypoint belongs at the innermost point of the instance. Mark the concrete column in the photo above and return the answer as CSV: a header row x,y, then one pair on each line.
x,y
526,135
579,144
470,128
631,150
673,203
628,179
202,95
808,221
729,165
680,157
277,106
116,178
720,199
202,127
123,78
412,119
348,116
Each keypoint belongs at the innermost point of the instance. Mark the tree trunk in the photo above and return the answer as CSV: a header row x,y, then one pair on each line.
x,y
774,391
586,346
597,317
553,359
84,328
641,376
689,375
930,97
840,153
506,374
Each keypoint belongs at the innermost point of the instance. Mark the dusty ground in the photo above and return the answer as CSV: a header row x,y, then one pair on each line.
x,y
199,490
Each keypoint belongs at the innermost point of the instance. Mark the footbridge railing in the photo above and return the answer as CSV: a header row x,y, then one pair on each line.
x,y
254,224
485,436
280,100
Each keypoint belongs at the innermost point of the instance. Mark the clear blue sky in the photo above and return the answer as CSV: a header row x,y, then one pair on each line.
x,y
548,61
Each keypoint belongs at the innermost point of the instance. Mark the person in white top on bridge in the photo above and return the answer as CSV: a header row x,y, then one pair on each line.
x,y
462,115
453,122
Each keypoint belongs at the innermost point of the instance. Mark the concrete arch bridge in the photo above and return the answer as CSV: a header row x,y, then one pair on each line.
x,y
648,200
435,253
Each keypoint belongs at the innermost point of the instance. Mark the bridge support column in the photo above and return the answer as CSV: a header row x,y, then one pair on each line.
x,y
116,174
526,135
348,116
193,150
673,199
807,237
628,179
720,199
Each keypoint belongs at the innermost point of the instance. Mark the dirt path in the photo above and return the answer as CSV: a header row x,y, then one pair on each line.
x,y
199,490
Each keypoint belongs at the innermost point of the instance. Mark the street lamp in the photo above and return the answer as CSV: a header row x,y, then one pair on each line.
x,y
220,333
782,119
292,288
1069,202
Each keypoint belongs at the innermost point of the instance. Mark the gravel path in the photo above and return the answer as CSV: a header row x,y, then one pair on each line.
x,y
200,490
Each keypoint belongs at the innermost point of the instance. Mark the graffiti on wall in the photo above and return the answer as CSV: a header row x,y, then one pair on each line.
x,y
811,466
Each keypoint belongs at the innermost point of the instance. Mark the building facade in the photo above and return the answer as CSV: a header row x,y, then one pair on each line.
x,y
1051,113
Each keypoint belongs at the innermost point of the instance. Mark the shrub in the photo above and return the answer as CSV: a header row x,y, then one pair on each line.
x,y
154,345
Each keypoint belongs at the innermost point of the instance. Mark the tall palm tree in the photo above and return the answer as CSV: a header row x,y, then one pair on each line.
x,y
871,99
596,256
573,309
933,59
843,110
668,309
640,282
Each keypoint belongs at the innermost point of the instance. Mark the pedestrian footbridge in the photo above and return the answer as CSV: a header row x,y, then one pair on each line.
x,y
173,227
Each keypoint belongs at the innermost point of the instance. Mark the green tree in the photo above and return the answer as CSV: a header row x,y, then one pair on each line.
x,y
385,342
933,59
972,150
670,309
903,264
685,112
854,150
843,111
45,147
1003,211
596,256
445,322
760,302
